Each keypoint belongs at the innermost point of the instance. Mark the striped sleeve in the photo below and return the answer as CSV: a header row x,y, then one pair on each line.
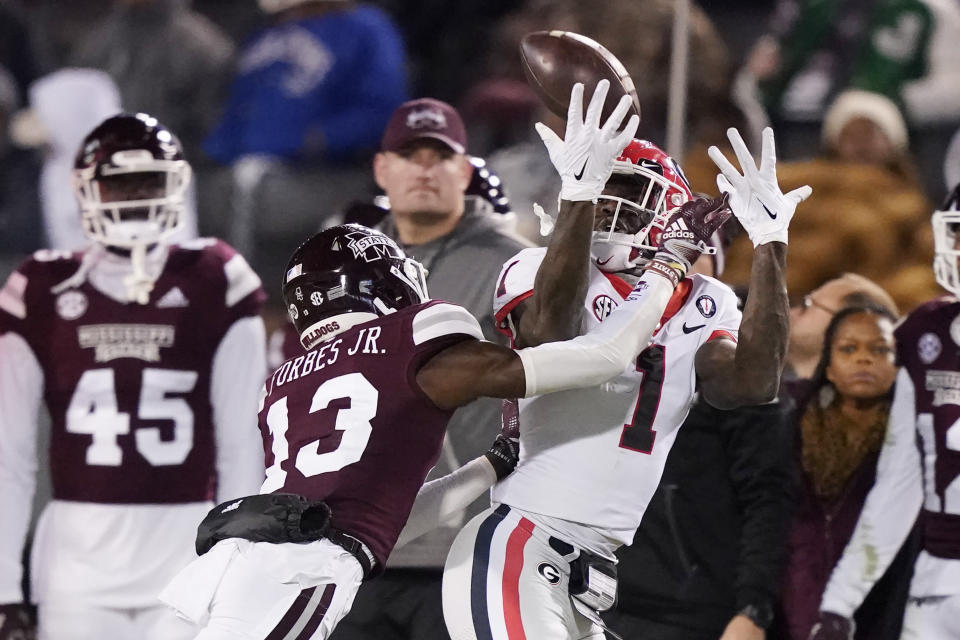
x,y
444,319
12,296
515,284
241,279
726,324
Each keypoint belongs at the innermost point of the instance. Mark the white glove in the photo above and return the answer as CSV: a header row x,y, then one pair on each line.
x,y
755,197
584,158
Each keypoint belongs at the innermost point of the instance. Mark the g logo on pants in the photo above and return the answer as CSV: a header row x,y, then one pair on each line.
x,y
549,572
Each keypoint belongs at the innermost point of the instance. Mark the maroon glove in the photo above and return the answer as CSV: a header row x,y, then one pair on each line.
x,y
687,235
504,453
832,626
16,622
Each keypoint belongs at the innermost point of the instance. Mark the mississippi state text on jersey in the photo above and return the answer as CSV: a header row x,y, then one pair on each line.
x,y
593,457
347,423
928,348
128,385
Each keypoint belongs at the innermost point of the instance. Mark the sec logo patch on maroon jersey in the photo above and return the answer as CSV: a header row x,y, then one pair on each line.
x,y
71,305
603,306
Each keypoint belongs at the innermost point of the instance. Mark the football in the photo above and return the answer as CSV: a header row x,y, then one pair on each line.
x,y
553,61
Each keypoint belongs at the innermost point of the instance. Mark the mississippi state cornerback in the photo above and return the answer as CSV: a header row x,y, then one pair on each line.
x,y
346,422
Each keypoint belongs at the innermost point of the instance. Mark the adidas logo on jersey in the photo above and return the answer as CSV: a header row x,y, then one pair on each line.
x,y
172,298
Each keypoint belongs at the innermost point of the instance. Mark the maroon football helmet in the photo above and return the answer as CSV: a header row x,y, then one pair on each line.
x,y
131,180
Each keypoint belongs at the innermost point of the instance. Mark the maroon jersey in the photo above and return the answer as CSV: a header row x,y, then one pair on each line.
x,y
128,385
928,347
347,423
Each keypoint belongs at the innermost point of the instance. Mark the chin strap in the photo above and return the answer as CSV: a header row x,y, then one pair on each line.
x,y
139,284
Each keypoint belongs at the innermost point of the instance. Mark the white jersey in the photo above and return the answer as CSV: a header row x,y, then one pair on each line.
x,y
591,459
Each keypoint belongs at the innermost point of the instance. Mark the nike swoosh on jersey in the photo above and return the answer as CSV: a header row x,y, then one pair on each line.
x,y
600,263
577,176
687,329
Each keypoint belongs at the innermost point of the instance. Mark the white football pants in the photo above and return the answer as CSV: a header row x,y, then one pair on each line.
x,y
69,621
504,581
262,591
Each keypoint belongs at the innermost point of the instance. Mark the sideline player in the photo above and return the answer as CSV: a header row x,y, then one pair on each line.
x,y
591,458
148,356
359,419
919,468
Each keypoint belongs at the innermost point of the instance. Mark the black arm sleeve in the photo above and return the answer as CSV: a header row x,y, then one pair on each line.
x,y
759,448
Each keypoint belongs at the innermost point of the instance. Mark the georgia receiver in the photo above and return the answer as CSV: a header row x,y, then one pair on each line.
x,y
590,459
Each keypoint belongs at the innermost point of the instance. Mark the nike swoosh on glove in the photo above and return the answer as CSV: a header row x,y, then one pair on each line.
x,y
584,157
687,234
762,208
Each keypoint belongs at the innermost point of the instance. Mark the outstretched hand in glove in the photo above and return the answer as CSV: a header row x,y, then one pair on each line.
x,y
762,208
584,157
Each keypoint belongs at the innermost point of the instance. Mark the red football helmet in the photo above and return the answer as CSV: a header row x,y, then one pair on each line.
x,y
645,185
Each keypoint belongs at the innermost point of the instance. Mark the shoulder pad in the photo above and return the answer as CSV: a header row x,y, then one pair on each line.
x,y
442,319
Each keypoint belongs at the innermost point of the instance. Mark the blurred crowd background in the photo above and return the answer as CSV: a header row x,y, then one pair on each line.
x,y
281,105
281,113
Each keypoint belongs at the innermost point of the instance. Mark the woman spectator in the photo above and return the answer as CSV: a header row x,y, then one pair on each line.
x,y
841,419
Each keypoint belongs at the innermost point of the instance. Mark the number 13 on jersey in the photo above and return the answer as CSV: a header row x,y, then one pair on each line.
x,y
353,421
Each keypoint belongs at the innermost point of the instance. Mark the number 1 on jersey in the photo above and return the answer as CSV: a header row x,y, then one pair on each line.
x,y
639,435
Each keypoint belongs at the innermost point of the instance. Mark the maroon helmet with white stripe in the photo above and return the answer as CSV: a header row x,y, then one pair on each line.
x,y
345,275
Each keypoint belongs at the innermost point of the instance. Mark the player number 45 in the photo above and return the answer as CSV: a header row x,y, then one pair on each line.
x,y
93,411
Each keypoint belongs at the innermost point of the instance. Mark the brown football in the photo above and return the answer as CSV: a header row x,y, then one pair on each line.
x,y
554,61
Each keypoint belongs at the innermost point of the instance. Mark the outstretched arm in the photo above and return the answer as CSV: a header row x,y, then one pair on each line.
x,y
584,159
471,369
748,372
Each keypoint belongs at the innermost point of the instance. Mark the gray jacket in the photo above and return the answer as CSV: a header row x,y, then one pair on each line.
x,y
463,268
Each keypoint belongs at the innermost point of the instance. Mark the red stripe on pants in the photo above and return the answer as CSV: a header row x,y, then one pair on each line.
x,y
512,567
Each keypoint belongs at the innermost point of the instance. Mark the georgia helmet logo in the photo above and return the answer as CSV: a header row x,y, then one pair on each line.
x,y
549,572
603,306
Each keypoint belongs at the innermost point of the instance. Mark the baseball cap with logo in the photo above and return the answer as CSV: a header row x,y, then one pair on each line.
x,y
424,118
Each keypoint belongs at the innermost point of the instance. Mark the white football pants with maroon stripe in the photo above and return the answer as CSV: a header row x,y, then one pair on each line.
x,y
503,581
259,591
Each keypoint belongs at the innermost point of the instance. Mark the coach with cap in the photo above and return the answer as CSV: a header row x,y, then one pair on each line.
x,y
423,169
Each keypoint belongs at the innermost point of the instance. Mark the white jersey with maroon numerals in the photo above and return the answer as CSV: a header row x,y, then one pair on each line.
x,y
591,459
